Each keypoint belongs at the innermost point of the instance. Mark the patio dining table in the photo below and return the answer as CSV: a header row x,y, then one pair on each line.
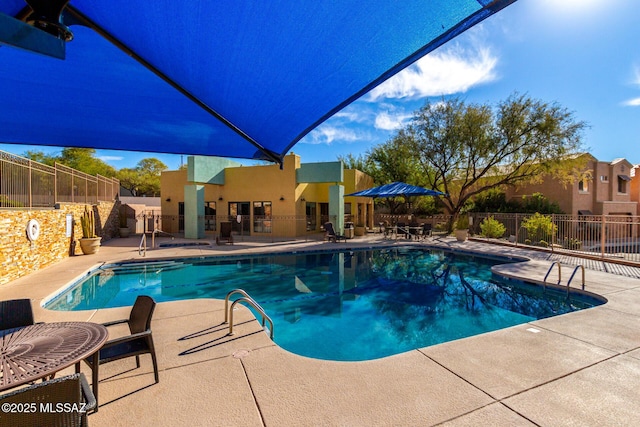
x,y
37,351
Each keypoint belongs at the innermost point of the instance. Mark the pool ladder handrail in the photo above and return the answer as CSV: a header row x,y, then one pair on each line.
x,y
544,282
575,270
142,248
228,312
574,273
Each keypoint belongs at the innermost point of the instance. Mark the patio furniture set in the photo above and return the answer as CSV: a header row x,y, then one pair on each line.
x,y
31,351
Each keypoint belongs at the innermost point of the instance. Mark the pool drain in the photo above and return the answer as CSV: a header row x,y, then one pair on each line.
x,y
239,354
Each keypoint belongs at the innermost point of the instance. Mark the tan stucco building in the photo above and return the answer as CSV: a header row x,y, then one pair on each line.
x,y
263,200
606,189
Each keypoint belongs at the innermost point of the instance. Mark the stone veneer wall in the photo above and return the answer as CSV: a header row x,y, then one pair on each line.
x,y
19,256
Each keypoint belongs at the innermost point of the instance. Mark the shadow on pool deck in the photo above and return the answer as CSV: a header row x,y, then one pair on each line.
x,y
577,369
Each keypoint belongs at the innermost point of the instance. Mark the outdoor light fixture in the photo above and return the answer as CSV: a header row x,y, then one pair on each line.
x,y
303,199
220,198
281,198
168,199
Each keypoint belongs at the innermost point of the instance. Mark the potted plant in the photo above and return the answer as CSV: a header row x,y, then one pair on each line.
x,y
360,229
124,227
89,243
462,228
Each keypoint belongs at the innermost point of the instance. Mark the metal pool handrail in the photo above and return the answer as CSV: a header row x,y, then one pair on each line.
x,y
544,283
574,273
228,313
142,249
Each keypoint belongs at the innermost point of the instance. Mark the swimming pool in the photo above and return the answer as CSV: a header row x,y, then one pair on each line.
x,y
348,305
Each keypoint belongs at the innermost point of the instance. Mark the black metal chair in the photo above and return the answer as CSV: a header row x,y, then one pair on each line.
x,y
225,233
61,402
15,313
426,230
330,233
139,342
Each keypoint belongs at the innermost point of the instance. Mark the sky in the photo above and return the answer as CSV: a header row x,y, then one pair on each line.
x,y
581,54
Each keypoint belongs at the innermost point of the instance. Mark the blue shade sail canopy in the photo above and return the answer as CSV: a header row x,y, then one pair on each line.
x,y
243,79
396,189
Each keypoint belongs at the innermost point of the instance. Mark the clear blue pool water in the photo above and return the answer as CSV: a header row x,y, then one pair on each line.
x,y
351,305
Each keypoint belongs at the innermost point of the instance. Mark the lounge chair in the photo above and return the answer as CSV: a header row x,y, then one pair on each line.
x,y
331,235
70,391
15,313
225,233
139,342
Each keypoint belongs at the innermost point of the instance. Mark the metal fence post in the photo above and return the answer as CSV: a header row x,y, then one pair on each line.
x,y
603,236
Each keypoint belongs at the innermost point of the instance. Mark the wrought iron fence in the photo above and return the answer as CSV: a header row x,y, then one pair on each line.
x,y
25,183
610,237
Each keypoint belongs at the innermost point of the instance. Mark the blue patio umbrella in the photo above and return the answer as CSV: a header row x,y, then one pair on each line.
x,y
243,79
396,189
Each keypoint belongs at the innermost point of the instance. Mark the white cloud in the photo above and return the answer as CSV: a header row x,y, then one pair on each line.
x,y
326,134
445,72
386,121
110,158
632,102
635,102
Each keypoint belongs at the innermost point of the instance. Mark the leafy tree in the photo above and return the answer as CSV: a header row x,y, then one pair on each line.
x,y
393,161
40,157
82,159
144,179
359,162
494,200
470,148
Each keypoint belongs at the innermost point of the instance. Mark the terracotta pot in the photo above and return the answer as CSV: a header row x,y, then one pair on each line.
x,y
90,245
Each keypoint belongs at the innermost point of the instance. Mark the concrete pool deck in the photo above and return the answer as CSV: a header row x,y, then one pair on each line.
x,y
581,368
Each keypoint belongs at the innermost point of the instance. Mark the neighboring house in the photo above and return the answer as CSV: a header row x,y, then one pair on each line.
x,y
263,200
607,188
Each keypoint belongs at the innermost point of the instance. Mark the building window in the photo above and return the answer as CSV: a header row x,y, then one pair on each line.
x,y
262,217
622,183
583,186
310,211
604,178
209,216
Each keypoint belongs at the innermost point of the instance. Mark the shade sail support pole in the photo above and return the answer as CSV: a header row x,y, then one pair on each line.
x,y
86,21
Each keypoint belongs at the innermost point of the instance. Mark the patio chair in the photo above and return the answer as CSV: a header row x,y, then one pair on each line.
x,y
415,230
426,230
402,229
15,313
225,233
70,392
331,235
139,342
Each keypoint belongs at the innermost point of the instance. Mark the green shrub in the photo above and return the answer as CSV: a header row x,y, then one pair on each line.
x,y
543,244
463,222
572,243
539,227
492,228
